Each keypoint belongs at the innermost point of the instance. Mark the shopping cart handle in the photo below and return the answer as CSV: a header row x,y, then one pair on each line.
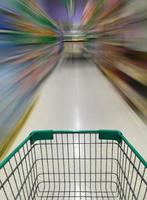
x,y
41,135
110,135
103,134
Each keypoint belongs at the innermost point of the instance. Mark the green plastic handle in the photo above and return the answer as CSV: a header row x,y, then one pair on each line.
x,y
41,135
110,135
103,134
49,135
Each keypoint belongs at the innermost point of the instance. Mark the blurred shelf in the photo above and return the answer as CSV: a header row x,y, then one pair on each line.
x,y
138,100
136,72
131,63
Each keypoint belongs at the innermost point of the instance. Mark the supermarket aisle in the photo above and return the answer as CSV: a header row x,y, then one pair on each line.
x,y
78,96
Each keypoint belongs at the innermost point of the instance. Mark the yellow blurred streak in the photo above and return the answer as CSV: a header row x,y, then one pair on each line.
x,y
21,24
88,12
106,14
8,142
35,30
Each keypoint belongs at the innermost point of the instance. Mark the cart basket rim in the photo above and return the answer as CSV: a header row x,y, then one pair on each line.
x,y
48,135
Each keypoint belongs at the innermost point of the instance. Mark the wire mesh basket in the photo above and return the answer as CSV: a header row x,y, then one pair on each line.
x,y
74,165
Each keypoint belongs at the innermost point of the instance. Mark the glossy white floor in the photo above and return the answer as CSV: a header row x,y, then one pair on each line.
x,y
78,96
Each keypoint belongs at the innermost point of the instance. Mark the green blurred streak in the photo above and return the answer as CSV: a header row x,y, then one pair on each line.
x,y
96,12
16,37
34,16
66,2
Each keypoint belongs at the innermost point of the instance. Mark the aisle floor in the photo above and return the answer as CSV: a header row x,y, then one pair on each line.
x,y
78,96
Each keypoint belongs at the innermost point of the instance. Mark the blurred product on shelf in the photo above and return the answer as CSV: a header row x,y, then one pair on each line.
x,y
30,48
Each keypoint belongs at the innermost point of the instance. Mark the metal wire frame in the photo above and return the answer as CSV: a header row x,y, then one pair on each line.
x,y
74,166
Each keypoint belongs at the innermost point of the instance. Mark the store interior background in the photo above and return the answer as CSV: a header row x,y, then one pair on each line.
x,y
73,64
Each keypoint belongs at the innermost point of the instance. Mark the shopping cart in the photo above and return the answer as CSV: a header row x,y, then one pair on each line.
x,y
99,164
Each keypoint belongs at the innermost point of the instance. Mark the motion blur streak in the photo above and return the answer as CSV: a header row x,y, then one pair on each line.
x,y
35,33
29,49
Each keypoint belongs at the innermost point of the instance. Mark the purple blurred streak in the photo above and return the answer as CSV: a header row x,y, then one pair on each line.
x,y
57,10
